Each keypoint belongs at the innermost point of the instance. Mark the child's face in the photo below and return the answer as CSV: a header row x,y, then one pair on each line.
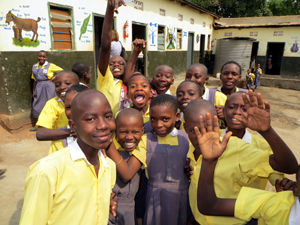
x,y
68,101
117,66
185,93
163,119
42,58
258,66
163,79
235,106
196,74
93,121
139,91
129,132
230,76
63,82
191,122
249,71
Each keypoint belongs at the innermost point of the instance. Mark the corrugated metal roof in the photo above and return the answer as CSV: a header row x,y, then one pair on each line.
x,y
200,9
264,21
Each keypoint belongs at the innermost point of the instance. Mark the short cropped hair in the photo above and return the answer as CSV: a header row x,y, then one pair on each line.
x,y
77,88
135,75
80,68
232,62
165,100
200,89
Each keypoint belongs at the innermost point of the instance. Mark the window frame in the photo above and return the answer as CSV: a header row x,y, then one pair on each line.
x,y
180,38
72,23
164,37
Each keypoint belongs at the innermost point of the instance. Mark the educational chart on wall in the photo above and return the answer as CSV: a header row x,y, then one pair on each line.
x,y
22,27
171,38
84,28
153,34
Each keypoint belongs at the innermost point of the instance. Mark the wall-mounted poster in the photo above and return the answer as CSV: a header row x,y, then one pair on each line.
x,y
152,33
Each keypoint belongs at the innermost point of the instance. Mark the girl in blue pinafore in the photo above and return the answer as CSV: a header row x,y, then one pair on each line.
x,y
43,88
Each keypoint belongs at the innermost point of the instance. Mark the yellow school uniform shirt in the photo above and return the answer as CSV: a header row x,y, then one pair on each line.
x,y
260,143
146,116
111,88
51,70
271,208
53,116
139,153
252,76
220,98
63,188
239,165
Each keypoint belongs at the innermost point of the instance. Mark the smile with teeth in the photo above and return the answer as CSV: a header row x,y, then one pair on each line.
x,y
184,104
117,70
63,93
129,145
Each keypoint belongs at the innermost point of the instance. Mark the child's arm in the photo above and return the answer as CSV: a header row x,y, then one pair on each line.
x,y
211,149
283,159
138,46
126,170
45,134
112,6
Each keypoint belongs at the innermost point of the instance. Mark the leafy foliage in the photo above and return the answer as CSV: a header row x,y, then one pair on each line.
x,y
246,8
284,7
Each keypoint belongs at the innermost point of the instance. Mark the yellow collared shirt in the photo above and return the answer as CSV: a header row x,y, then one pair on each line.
x,y
140,152
51,70
111,88
53,116
63,188
269,207
239,165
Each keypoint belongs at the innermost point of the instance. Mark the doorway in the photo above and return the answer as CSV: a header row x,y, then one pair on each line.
x,y
98,25
139,31
254,51
202,46
274,56
190,51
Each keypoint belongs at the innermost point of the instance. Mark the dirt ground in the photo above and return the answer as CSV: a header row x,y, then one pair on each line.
x,y
20,149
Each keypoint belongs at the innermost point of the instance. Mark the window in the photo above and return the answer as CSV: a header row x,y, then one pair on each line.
x,y
278,33
192,21
228,34
161,38
179,39
61,27
208,42
180,17
138,5
204,24
162,12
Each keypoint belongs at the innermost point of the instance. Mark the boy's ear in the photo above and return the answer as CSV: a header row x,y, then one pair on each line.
x,y
240,77
177,116
172,81
206,79
72,125
143,130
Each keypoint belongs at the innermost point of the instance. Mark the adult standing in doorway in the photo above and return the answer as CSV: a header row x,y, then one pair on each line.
x,y
43,88
116,46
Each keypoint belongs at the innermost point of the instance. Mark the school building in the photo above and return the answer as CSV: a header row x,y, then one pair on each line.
x,y
273,41
178,33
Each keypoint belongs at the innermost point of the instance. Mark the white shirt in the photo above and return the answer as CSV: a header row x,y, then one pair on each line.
x,y
247,136
76,153
116,48
205,96
294,218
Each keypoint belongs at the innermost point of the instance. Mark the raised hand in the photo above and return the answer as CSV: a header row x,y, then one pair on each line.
x,y
209,138
115,4
139,45
258,113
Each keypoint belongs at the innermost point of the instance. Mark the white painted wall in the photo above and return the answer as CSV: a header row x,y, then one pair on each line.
x,y
81,9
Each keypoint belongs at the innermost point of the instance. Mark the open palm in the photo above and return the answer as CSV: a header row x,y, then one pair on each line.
x,y
258,113
209,138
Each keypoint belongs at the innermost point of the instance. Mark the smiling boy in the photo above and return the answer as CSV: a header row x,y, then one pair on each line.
x,y
73,185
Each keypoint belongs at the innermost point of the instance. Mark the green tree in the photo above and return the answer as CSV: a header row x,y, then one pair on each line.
x,y
284,7
235,8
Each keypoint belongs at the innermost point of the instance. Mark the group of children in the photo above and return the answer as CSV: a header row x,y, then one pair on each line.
x,y
104,141
254,79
